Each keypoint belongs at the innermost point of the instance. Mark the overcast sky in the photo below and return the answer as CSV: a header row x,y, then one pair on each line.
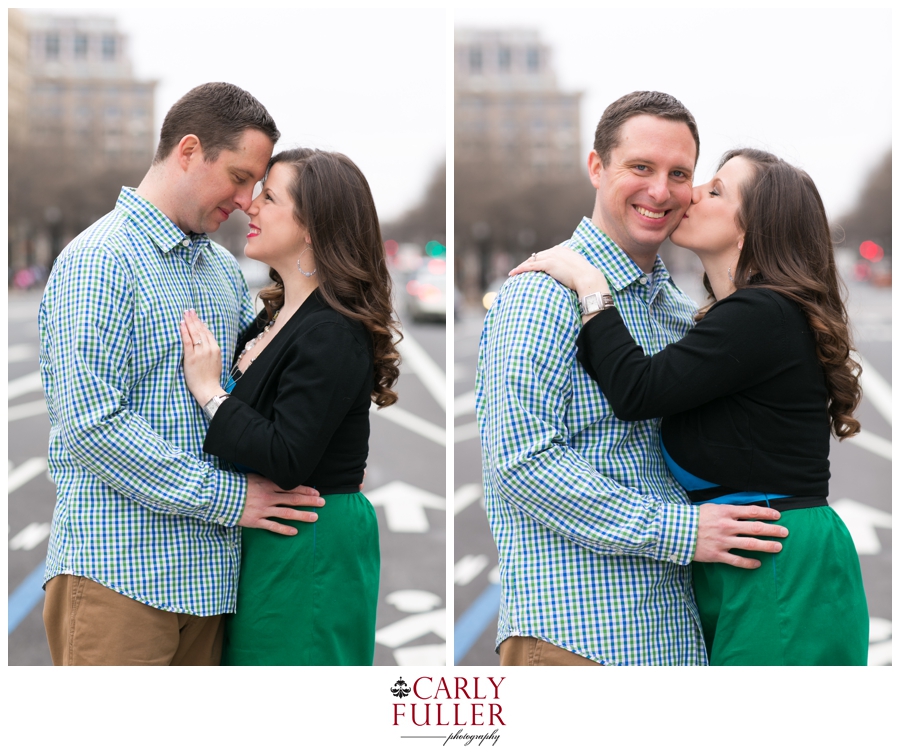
x,y
371,84
812,86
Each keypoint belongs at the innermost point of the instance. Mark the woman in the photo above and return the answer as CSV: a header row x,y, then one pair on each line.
x,y
748,399
296,410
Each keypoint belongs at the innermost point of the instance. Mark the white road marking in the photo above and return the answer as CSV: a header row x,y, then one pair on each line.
x,y
465,432
21,352
23,385
423,654
30,537
875,388
24,410
494,575
881,654
404,506
873,443
412,422
880,629
24,473
465,496
464,404
861,520
468,568
460,372
414,627
417,359
413,600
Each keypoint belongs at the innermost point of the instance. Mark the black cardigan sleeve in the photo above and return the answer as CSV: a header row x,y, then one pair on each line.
x,y
739,343
319,379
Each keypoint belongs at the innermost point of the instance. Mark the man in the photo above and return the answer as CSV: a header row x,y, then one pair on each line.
x,y
145,546
594,536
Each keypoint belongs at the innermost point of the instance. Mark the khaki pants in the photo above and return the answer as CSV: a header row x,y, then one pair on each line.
x,y
88,624
527,650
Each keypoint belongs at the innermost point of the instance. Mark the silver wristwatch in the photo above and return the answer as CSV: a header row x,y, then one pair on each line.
x,y
595,302
212,405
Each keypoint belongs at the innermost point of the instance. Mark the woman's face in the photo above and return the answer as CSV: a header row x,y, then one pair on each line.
x,y
275,236
710,225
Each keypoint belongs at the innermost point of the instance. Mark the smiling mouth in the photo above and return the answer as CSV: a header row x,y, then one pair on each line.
x,y
224,212
650,214
254,231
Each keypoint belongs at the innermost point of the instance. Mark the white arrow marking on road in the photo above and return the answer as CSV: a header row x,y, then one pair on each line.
x,y
413,627
465,432
417,359
873,443
22,385
404,506
464,404
21,352
861,520
468,568
423,654
465,496
412,422
30,537
24,410
24,473
876,388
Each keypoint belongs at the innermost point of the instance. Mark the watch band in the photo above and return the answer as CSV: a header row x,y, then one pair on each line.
x,y
212,405
595,302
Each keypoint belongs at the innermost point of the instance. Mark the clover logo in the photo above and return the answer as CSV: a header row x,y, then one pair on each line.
x,y
400,688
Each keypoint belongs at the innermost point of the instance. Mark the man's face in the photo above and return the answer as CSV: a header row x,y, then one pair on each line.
x,y
646,187
219,187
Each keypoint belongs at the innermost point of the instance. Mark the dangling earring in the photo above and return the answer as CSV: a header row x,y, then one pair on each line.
x,y
302,271
729,275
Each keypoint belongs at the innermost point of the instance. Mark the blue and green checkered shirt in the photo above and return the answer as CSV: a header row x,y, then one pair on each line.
x,y
140,507
594,536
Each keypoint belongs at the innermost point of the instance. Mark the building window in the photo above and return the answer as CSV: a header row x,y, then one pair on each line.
x,y
475,59
109,48
504,58
532,59
81,46
51,46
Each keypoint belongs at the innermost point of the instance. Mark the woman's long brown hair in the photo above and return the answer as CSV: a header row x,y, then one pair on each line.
x,y
332,200
788,249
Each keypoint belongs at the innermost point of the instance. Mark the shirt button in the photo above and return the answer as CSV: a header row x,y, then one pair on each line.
x,y
185,243
673,558
221,520
642,280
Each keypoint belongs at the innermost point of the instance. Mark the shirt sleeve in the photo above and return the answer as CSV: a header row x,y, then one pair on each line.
x,y
528,363
91,350
317,386
736,345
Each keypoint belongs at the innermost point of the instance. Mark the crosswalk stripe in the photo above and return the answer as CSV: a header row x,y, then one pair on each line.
x,y
22,385
24,473
432,376
24,410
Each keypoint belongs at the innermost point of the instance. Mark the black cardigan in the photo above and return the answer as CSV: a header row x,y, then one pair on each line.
x,y
300,413
743,394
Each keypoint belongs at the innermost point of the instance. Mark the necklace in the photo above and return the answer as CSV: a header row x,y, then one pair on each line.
x,y
236,373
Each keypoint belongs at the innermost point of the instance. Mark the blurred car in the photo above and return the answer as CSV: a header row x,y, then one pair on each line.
x,y
425,294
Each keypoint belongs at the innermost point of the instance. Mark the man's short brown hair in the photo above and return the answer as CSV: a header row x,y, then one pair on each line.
x,y
659,104
217,114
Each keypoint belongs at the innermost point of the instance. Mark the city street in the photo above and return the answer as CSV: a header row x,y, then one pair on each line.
x,y
860,487
405,482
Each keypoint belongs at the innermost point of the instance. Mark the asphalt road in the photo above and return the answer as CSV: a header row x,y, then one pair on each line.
x,y
405,482
860,485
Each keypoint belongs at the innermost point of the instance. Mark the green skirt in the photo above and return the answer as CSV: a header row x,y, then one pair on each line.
x,y
309,599
803,606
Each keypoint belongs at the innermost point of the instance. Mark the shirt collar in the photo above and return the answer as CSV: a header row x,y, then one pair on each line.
x,y
601,251
150,220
